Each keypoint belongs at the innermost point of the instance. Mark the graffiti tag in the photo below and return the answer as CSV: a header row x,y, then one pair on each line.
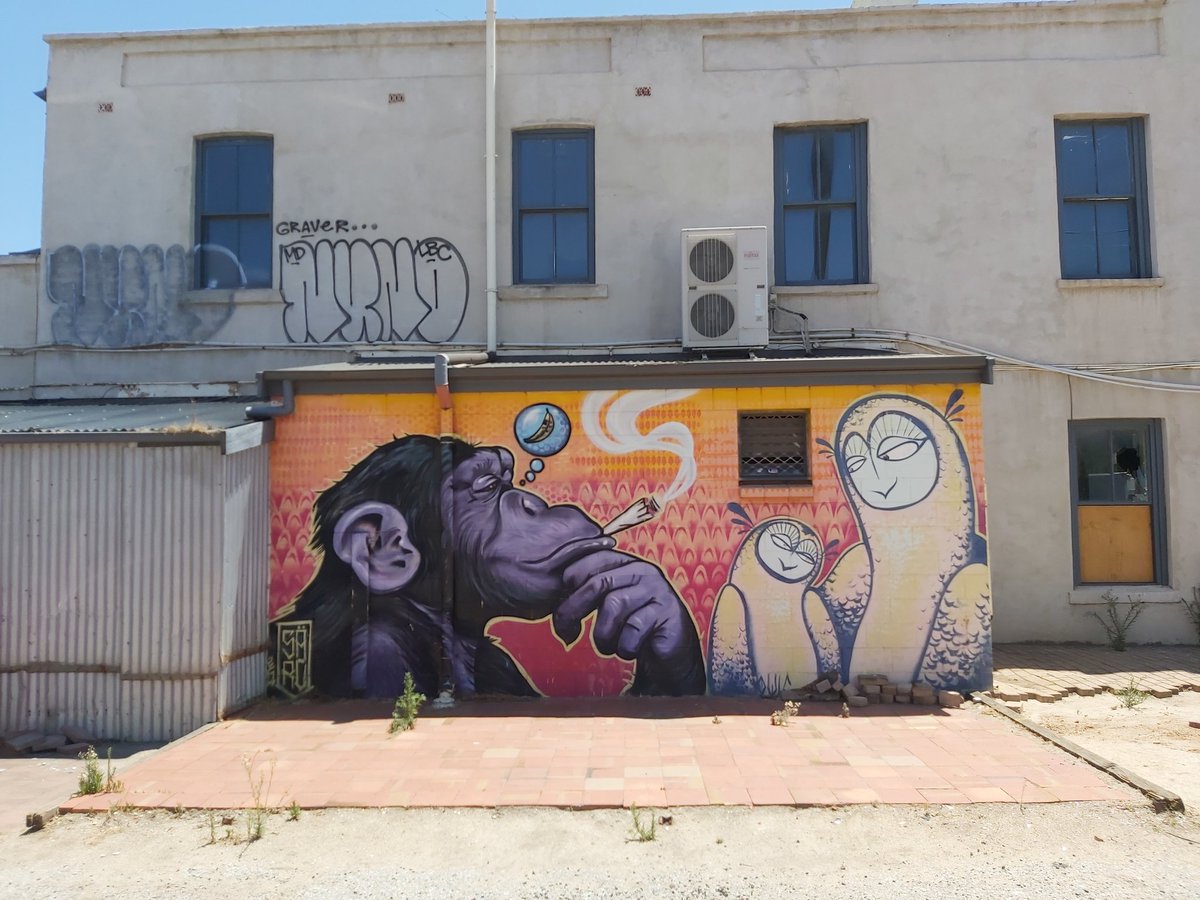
x,y
371,291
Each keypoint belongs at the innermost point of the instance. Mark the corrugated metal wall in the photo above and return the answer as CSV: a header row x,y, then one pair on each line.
x,y
130,579
244,585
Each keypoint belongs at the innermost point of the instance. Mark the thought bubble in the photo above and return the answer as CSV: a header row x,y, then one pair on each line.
x,y
542,429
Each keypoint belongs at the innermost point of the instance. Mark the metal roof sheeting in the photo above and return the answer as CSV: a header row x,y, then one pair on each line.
x,y
182,418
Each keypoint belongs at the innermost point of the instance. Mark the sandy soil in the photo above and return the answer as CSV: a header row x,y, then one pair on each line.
x,y
1152,738
1097,850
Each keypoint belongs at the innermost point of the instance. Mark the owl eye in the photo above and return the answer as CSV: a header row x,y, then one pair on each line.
x,y
854,463
895,449
781,541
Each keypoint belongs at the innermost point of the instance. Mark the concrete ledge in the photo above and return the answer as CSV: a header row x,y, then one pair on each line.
x,y
1089,284
554,292
1162,799
787,291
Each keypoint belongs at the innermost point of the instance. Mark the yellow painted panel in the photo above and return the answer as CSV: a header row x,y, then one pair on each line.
x,y
774,398
1115,544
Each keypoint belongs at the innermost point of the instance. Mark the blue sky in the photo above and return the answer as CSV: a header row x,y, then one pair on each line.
x,y
23,56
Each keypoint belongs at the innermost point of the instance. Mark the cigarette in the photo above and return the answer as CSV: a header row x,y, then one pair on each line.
x,y
642,510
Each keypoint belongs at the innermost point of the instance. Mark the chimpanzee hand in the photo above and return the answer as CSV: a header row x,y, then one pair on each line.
x,y
638,616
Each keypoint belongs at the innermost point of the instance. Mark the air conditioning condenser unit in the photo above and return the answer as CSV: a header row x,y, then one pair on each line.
x,y
725,287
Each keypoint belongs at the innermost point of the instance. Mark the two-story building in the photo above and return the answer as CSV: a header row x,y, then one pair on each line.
x,y
593,355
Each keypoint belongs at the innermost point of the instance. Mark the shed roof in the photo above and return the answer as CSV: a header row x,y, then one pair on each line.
x,y
178,422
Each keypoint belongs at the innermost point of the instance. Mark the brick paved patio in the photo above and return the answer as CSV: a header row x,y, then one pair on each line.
x,y
1050,672
607,753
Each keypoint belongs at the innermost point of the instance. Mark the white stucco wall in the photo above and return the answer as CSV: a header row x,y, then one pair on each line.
x,y
18,311
959,102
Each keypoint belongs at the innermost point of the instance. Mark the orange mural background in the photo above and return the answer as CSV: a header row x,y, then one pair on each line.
x,y
693,539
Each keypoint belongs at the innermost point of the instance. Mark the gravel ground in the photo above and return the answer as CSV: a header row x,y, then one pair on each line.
x,y
1093,850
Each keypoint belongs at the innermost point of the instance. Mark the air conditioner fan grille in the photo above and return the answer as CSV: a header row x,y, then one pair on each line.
x,y
711,260
713,315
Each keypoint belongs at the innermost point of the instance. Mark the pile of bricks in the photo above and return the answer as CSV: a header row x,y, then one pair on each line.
x,y
880,689
71,742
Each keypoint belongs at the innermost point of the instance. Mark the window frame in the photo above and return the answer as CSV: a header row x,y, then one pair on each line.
x,y
519,138
1141,257
1156,489
745,479
201,216
862,266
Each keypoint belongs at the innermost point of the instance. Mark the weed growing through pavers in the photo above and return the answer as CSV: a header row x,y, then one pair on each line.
x,y
1131,696
783,716
644,828
92,781
1116,625
294,812
408,704
260,790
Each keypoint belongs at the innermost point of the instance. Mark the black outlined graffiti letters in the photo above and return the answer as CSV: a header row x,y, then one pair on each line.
x,y
370,291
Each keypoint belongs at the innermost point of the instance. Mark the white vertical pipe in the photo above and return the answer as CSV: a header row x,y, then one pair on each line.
x,y
490,174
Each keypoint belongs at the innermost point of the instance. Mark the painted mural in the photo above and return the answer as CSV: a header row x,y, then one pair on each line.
x,y
600,543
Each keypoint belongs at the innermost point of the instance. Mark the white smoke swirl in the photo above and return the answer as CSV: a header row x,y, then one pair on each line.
x,y
619,434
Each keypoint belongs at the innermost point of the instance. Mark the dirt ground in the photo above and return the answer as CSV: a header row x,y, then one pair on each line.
x,y
1095,850
1152,738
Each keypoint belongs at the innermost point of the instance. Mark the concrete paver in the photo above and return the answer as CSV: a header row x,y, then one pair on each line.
x,y
1049,672
605,753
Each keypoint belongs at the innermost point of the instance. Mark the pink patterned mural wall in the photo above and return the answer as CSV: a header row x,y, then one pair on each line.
x,y
594,543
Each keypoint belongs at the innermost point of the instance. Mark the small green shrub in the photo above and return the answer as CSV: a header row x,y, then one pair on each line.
x,y
644,827
1131,696
260,790
93,781
408,704
1116,624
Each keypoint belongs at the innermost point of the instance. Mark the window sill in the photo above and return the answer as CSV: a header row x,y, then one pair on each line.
x,y
1087,284
239,296
832,290
554,292
1090,595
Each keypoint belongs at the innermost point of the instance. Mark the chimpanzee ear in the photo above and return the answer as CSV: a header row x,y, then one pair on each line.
x,y
357,530
372,539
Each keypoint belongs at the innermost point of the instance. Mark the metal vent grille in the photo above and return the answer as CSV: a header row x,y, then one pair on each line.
x,y
773,447
713,315
711,260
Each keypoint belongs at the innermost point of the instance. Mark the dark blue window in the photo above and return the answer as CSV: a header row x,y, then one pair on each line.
x,y
1102,214
554,210
821,205
233,212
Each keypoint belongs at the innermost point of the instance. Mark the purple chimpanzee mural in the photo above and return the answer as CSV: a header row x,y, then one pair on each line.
x,y
427,539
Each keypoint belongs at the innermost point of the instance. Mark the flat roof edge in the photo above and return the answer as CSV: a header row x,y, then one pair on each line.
x,y
492,378
927,9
